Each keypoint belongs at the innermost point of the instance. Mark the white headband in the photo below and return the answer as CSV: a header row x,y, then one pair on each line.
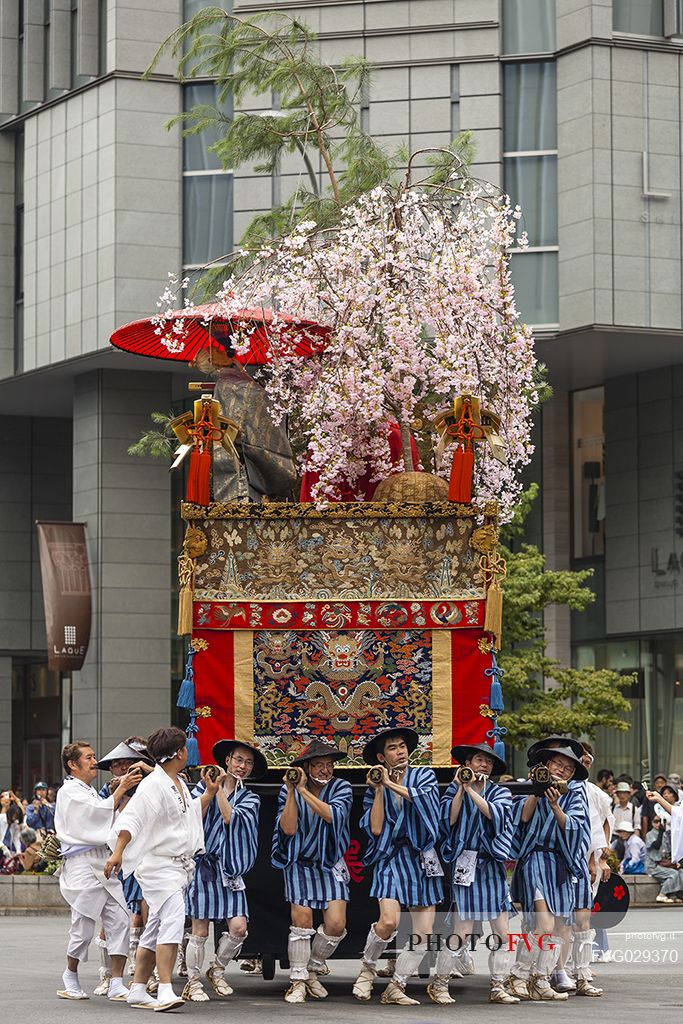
x,y
169,757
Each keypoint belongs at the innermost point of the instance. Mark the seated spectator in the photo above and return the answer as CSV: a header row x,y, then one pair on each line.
x,y
633,860
32,857
659,865
41,813
623,808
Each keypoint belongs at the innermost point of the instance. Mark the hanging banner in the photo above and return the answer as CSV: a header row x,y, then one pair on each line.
x,y
66,593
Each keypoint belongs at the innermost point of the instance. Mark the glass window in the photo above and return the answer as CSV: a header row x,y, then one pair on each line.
x,y
528,26
207,217
530,117
191,7
531,182
588,472
196,156
534,275
620,751
641,17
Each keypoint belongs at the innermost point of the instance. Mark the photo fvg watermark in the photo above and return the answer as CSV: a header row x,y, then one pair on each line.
x,y
644,939
434,942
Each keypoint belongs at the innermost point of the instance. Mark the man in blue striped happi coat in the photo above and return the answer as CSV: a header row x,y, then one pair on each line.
x,y
401,817
477,824
217,891
551,847
310,838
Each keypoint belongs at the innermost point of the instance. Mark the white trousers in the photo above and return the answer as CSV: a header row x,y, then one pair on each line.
x,y
166,925
116,922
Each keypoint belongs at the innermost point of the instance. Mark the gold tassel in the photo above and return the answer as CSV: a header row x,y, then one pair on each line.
x,y
186,579
493,620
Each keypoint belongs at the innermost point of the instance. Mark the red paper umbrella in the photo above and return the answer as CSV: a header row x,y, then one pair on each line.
x,y
201,327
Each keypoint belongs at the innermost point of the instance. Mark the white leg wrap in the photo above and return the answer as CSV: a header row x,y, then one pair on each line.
x,y
194,955
228,948
499,964
135,934
374,947
444,963
105,959
299,952
583,954
547,958
408,960
524,958
322,948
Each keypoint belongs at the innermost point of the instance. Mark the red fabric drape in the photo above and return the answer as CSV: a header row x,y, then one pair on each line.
x,y
214,672
470,687
363,485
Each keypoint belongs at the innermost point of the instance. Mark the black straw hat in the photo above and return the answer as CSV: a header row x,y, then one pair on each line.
x,y
375,745
544,754
463,751
319,748
223,748
560,741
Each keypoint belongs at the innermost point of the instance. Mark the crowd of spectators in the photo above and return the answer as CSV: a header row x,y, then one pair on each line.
x,y
641,838
24,825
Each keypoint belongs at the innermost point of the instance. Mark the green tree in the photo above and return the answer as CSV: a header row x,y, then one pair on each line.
x,y
577,701
317,117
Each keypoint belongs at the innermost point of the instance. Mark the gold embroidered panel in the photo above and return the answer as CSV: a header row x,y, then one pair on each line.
x,y
356,552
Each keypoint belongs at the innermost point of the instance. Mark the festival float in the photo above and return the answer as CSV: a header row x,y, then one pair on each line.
x,y
339,573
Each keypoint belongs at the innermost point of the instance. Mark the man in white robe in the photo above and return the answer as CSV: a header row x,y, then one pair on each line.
x,y
157,837
83,822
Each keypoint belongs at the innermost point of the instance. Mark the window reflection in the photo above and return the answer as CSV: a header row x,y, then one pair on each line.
x,y
641,17
528,26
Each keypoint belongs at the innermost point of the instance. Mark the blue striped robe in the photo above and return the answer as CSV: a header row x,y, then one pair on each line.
x,y
549,858
131,887
230,850
488,896
409,830
584,891
310,857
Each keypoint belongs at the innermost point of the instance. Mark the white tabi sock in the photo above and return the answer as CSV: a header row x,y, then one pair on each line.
x,y
299,952
137,993
116,987
71,982
166,993
194,955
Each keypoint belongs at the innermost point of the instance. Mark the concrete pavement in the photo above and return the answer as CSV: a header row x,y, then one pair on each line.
x,y
643,985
